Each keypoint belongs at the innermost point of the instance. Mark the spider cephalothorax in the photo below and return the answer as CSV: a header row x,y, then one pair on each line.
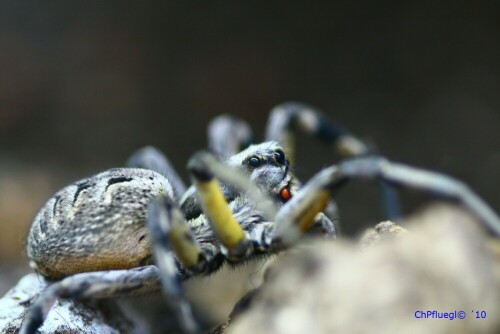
x,y
132,230
268,166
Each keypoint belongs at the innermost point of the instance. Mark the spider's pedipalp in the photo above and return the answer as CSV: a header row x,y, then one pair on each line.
x,y
214,205
299,214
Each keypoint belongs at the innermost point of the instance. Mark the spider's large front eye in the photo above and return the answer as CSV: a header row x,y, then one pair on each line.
x,y
279,156
254,161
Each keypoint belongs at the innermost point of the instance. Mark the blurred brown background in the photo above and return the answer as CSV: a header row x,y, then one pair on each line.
x,y
82,85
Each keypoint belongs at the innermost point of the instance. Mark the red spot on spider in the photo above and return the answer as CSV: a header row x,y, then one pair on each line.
x,y
285,194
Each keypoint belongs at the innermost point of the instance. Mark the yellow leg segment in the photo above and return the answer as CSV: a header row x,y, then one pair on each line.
x,y
298,215
185,248
215,206
175,228
306,219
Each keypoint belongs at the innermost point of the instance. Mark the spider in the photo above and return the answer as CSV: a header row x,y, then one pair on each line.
x,y
129,231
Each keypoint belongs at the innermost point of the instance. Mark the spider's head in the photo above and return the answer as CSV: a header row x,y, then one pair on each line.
x,y
269,167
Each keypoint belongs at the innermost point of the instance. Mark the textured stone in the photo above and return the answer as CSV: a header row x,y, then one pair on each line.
x,y
66,316
446,263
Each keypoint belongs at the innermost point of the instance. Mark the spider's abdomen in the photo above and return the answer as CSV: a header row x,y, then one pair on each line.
x,y
96,224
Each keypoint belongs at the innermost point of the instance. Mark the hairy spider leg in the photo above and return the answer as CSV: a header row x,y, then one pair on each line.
x,y
289,117
420,179
168,225
290,222
100,284
151,158
228,135
170,234
297,215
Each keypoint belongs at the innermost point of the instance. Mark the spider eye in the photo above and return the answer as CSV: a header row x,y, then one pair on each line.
x,y
279,156
254,161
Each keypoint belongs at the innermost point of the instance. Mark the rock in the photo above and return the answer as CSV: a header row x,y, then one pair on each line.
x,y
382,232
385,283
66,316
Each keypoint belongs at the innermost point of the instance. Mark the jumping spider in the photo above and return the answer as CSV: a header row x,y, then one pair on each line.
x,y
128,231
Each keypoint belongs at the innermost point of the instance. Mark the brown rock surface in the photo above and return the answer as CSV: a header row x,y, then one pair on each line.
x,y
446,264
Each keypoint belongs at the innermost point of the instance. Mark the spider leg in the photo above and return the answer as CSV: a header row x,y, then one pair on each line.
x,y
171,235
298,214
216,208
287,118
295,217
324,226
151,158
171,232
102,284
420,179
228,135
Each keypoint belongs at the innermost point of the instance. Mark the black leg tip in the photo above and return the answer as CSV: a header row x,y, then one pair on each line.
x,y
198,166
